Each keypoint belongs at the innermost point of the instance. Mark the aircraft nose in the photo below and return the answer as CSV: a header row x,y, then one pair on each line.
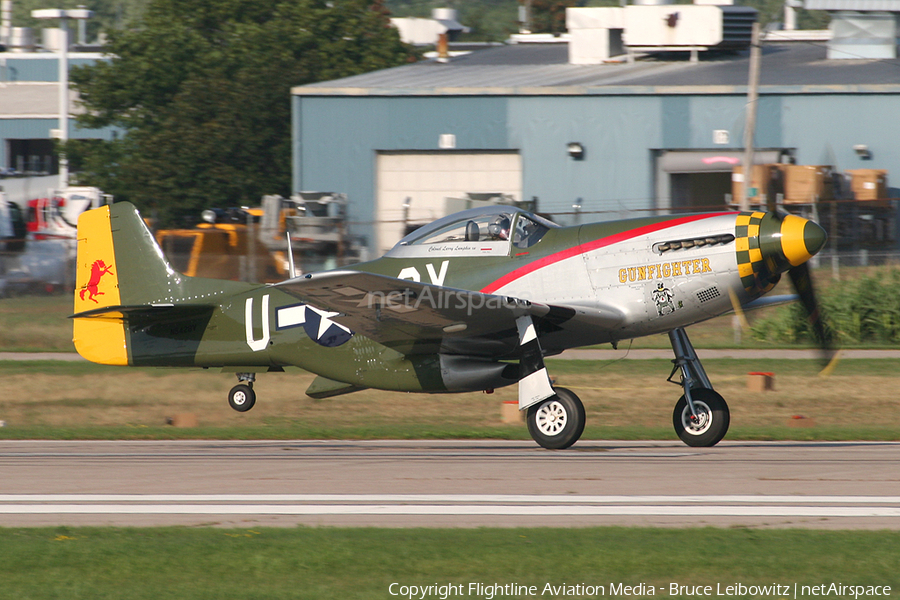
x,y
784,241
801,239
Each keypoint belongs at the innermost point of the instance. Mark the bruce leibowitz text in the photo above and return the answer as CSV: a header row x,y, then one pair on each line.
x,y
491,591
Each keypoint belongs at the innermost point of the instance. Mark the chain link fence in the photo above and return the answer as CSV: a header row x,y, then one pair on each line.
x,y
861,235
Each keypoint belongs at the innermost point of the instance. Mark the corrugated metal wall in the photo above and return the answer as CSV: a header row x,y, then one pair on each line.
x,y
337,138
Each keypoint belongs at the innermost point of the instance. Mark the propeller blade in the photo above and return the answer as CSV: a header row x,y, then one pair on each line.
x,y
738,310
802,281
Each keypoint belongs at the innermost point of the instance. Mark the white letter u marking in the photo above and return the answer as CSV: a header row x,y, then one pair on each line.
x,y
260,344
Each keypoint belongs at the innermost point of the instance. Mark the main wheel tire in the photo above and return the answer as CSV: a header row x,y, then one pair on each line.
x,y
242,397
557,422
711,423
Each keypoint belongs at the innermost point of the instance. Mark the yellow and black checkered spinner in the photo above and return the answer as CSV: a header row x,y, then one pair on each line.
x,y
749,255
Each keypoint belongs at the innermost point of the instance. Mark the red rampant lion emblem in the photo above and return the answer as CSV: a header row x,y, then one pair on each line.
x,y
98,270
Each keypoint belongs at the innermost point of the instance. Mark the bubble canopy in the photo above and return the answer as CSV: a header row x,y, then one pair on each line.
x,y
490,228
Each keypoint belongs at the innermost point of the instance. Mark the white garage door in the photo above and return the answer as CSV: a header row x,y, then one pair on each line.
x,y
428,179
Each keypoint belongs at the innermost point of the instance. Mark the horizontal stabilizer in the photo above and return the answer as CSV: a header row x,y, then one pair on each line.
x,y
148,311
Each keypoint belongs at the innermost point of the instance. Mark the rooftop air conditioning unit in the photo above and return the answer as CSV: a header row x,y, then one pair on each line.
x,y
600,33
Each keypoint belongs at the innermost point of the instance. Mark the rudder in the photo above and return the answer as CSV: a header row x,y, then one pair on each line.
x,y
99,339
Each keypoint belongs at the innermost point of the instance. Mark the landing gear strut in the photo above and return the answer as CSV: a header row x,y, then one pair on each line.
x,y
557,421
701,415
242,397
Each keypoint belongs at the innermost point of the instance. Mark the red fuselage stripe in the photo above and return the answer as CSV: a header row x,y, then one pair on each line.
x,y
593,245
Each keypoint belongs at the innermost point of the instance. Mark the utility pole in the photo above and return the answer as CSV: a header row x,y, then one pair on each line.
x,y
525,16
790,14
750,122
63,132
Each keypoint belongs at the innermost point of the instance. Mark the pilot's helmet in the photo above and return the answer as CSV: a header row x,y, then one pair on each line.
x,y
499,229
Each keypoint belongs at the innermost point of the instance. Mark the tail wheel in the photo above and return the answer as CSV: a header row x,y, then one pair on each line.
x,y
557,422
711,423
242,397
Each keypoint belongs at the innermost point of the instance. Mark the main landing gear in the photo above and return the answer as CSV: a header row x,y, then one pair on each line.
x,y
557,422
701,415
242,397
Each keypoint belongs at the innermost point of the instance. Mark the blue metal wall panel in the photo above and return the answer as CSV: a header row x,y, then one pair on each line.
x,y
37,67
675,121
769,126
616,133
824,129
708,114
339,137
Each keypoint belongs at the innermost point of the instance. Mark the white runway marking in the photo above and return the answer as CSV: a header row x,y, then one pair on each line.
x,y
450,504
461,509
479,498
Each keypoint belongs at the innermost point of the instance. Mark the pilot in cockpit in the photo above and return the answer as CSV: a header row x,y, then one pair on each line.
x,y
499,229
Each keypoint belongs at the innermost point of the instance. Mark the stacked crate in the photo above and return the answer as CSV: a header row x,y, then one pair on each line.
x,y
797,184
869,185
807,184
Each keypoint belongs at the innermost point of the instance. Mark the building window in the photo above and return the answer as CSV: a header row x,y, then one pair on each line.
x,y
34,157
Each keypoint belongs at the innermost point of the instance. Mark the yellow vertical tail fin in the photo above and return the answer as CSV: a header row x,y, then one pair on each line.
x,y
101,338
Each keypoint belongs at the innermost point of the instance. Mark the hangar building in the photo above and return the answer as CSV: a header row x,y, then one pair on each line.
x,y
585,141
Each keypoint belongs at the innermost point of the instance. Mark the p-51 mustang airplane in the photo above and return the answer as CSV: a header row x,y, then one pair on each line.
x,y
473,301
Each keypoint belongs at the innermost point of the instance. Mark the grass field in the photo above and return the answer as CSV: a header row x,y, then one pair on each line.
x,y
627,399
624,400
345,564
36,324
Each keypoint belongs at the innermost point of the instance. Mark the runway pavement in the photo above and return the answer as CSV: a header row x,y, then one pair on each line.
x,y
449,483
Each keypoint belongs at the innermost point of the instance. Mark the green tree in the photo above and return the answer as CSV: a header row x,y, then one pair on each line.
x,y
549,16
201,89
